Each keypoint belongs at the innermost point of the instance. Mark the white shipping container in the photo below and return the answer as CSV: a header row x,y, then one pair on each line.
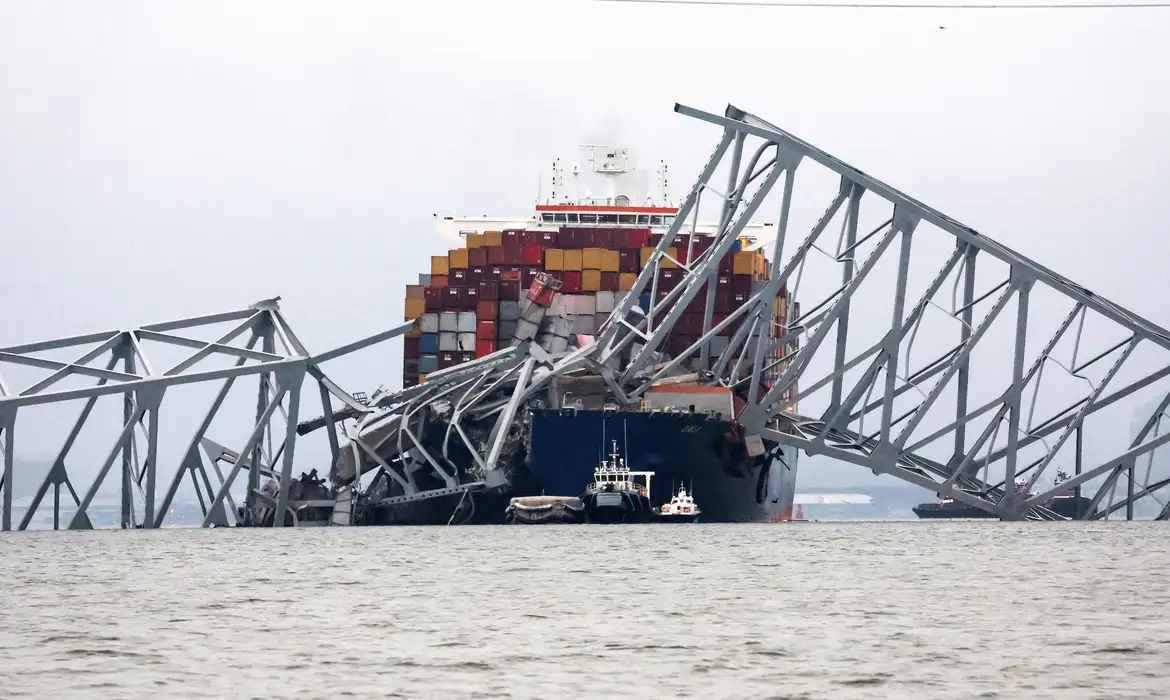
x,y
424,280
718,344
525,330
509,310
448,342
583,325
429,323
467,342
532,312
599,319
587,306
448,322
552,343
562,327
466,322
604,301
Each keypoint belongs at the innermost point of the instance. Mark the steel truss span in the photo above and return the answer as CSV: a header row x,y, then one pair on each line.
x,y
915,347
925,350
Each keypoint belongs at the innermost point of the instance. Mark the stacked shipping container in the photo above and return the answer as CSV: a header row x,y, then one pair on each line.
x,y
470,303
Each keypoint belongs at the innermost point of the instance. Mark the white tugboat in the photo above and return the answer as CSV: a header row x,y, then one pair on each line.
x,y
681,509
616,496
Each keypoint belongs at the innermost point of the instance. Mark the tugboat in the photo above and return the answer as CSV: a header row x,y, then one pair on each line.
x,y
616,495
681,509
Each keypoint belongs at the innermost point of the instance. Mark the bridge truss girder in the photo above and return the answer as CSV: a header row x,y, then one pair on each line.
x,y
926,440
280,366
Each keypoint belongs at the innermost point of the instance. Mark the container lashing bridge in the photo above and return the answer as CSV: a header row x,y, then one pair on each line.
x,y
1027,373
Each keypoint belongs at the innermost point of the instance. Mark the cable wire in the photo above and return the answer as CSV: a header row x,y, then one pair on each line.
x,y
908,5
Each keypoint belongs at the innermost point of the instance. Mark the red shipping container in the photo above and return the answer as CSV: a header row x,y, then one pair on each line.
x,y
570,238
690,324
628,260
438,281
475,275
451,298
489,290
725,264
571,284
458,277
411,349
529,275
512,236
486,310
738,300
468,297
485,330
513,254
723,301
558,275
655,239
495,255
603,238
434,298
698,304
741,284
448,359
512,272
547,239
477,257
466,356
532,254
638,237
716,319
621,238
530,237
610,281
510,290
723,282
495,272
483,348
669,278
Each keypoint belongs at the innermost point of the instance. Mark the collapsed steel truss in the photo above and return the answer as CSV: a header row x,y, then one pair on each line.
x,y
987,380
280,365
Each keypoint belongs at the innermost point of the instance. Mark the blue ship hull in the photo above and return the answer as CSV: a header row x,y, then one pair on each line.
x,y
681,449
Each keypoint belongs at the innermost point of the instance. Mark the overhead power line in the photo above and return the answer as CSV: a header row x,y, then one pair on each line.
x,y
910,5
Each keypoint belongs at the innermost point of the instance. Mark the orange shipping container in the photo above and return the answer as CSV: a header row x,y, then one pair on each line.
x,y
415,291
591,281
626,281
572,260
647,251
493,238
591,258
743,263
415,331
475,240
439,266
611,261
458,259
554,260
415,308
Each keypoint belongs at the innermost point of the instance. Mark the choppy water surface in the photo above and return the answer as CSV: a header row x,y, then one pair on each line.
x,y
846,610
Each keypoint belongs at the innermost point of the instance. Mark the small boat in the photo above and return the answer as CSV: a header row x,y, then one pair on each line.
x,y
616,494
681,509
541,510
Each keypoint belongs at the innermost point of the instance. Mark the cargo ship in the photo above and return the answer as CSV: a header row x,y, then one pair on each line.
x,y
582,253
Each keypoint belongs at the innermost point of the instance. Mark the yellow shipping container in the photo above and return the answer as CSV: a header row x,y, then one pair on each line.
x,y
572,260
415,308
591,258
493,238
422,378
415,331
591,281
415,291
440,265
458,259
475,240
554,259
646,253
626,281
611,261
743,263
667,263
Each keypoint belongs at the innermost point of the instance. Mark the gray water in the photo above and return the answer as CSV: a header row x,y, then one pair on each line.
x,y
811,610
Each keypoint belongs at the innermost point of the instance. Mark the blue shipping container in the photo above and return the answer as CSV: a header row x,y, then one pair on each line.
x,y
428,344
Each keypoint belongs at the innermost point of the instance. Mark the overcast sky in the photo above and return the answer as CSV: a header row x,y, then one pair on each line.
x,y
171,159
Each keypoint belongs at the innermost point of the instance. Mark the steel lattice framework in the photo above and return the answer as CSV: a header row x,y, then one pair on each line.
x,y
1005,401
